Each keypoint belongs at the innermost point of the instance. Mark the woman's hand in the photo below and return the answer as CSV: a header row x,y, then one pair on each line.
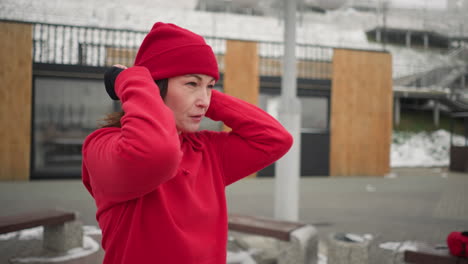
x,y
110,75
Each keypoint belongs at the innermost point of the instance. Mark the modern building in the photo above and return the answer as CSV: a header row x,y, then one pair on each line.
x,y
67,59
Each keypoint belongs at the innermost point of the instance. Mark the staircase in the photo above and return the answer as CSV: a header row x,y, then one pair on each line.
x,y
448,83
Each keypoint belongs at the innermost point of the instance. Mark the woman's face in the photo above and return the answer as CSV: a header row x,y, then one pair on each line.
x,y
188,96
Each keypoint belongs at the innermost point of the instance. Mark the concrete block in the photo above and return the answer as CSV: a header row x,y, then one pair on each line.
x,y
301,249
264,250
63,237
386,256
343,249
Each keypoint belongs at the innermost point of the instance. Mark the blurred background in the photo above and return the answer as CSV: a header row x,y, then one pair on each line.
x,y
74,41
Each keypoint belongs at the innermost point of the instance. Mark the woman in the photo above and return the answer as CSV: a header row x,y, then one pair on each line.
x,y
158,182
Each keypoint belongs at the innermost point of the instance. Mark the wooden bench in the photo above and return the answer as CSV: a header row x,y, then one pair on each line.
x,y
432,255
298,241
262,226
61,230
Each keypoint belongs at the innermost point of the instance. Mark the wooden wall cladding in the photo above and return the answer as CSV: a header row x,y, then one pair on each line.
x,y
361,113
241,73
15,100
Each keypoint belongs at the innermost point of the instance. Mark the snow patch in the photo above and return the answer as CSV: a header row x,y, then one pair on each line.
x,y
90,246
400,246
422,149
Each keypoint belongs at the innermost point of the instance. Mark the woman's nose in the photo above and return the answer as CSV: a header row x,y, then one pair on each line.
x,y
204,98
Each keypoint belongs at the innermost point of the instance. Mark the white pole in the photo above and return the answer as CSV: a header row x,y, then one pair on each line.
x,y
287,168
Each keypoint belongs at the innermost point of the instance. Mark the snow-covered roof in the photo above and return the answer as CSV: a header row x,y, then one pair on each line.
x,y
340,28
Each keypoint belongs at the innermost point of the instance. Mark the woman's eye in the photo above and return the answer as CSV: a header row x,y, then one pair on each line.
x,y
211,86
192,84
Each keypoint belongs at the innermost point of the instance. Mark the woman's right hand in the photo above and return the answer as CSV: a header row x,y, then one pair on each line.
x,y
110,75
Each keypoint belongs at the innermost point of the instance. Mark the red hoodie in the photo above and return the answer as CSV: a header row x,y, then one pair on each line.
x,y
160,196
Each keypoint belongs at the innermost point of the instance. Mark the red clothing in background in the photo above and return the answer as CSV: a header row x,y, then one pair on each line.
x,y
160,196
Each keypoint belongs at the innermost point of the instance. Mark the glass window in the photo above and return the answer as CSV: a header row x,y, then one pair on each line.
x,y
66,110
314,111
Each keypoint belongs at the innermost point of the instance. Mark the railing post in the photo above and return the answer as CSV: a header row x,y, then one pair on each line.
x,y
436,113
397,111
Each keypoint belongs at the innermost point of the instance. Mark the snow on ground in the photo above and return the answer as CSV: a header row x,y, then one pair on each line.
x,y
422,149
400,246
90,246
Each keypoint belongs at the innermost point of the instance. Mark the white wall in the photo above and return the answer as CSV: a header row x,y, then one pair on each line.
x,y
140,15
341,28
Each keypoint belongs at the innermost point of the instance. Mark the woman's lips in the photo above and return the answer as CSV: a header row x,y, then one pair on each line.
x,y
197,118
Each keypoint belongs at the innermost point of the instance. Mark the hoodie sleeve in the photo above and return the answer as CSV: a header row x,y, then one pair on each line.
x,y
256,140
124,163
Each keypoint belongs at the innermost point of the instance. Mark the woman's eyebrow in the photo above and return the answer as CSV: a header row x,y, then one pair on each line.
x,y
194,75
198,77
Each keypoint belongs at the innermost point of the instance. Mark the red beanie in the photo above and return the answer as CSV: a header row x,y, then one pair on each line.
x,y
169,50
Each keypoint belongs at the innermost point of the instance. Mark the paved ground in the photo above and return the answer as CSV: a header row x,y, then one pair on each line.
x,y
413,204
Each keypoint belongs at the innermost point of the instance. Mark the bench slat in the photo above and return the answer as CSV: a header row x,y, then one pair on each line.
x,y
33,219
436,257
265,227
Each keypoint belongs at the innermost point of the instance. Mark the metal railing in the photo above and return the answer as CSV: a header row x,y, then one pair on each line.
x,y
87,46
91,46
102,47
313,61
